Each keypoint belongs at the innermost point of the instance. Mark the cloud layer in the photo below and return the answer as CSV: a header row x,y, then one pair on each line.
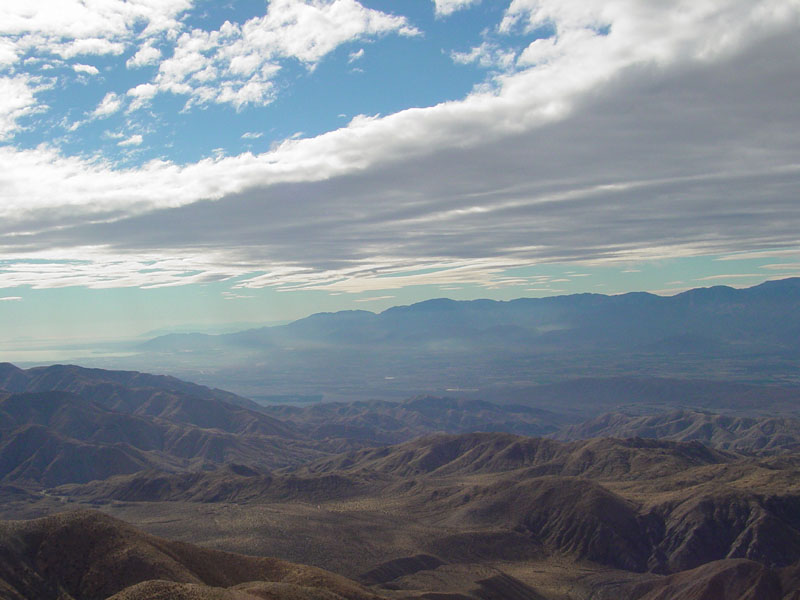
x,y
635,132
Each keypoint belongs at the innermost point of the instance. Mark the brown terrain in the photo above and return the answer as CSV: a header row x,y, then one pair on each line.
x,y
82,554
767,435
678,505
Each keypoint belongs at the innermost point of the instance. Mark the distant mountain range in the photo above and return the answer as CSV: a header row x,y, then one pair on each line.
x,y
747,335
717,319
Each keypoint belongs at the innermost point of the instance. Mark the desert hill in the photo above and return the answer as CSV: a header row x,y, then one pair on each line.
x,y
87,556
54,437
560,409
739,579
110,386
230,483
380,470
765,435
474,453
636,504
379,422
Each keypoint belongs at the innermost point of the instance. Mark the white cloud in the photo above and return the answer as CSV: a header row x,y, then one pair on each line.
x,y
487,55
142,94
97,46
88,69
145,56
252,135
11,299
9,53
731,276
782,266
110,104
78,19
17,99
448,7
234,296
771,254
236,63
308,31
95,270
356,55
69,28
134,140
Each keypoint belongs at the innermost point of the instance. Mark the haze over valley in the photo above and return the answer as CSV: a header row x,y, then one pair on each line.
x,y
494,350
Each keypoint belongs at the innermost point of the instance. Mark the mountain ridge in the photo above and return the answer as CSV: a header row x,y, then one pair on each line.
x,y
750,335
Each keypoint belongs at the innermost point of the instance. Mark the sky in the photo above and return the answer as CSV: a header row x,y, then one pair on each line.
x,y
174,164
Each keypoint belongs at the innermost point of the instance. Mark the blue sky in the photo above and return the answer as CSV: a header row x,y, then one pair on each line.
x,y
194,163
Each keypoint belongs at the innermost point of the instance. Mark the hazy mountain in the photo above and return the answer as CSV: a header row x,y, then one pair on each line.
x,y
546,409
115,389
720,333
737,321
114,423
593,396
34,454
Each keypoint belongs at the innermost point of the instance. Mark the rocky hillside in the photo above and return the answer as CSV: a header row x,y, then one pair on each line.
x,y
749,435
89,556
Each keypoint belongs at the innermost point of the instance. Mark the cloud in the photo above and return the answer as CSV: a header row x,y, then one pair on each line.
x,y
487,55
640,132
9,53
11,299
88,69
72,27
142,94
96,46
134,140
234,296
725,276
782,266
145,56
252,135
448,7
17,100
94,270
753,255
110,104
237,63
355,55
